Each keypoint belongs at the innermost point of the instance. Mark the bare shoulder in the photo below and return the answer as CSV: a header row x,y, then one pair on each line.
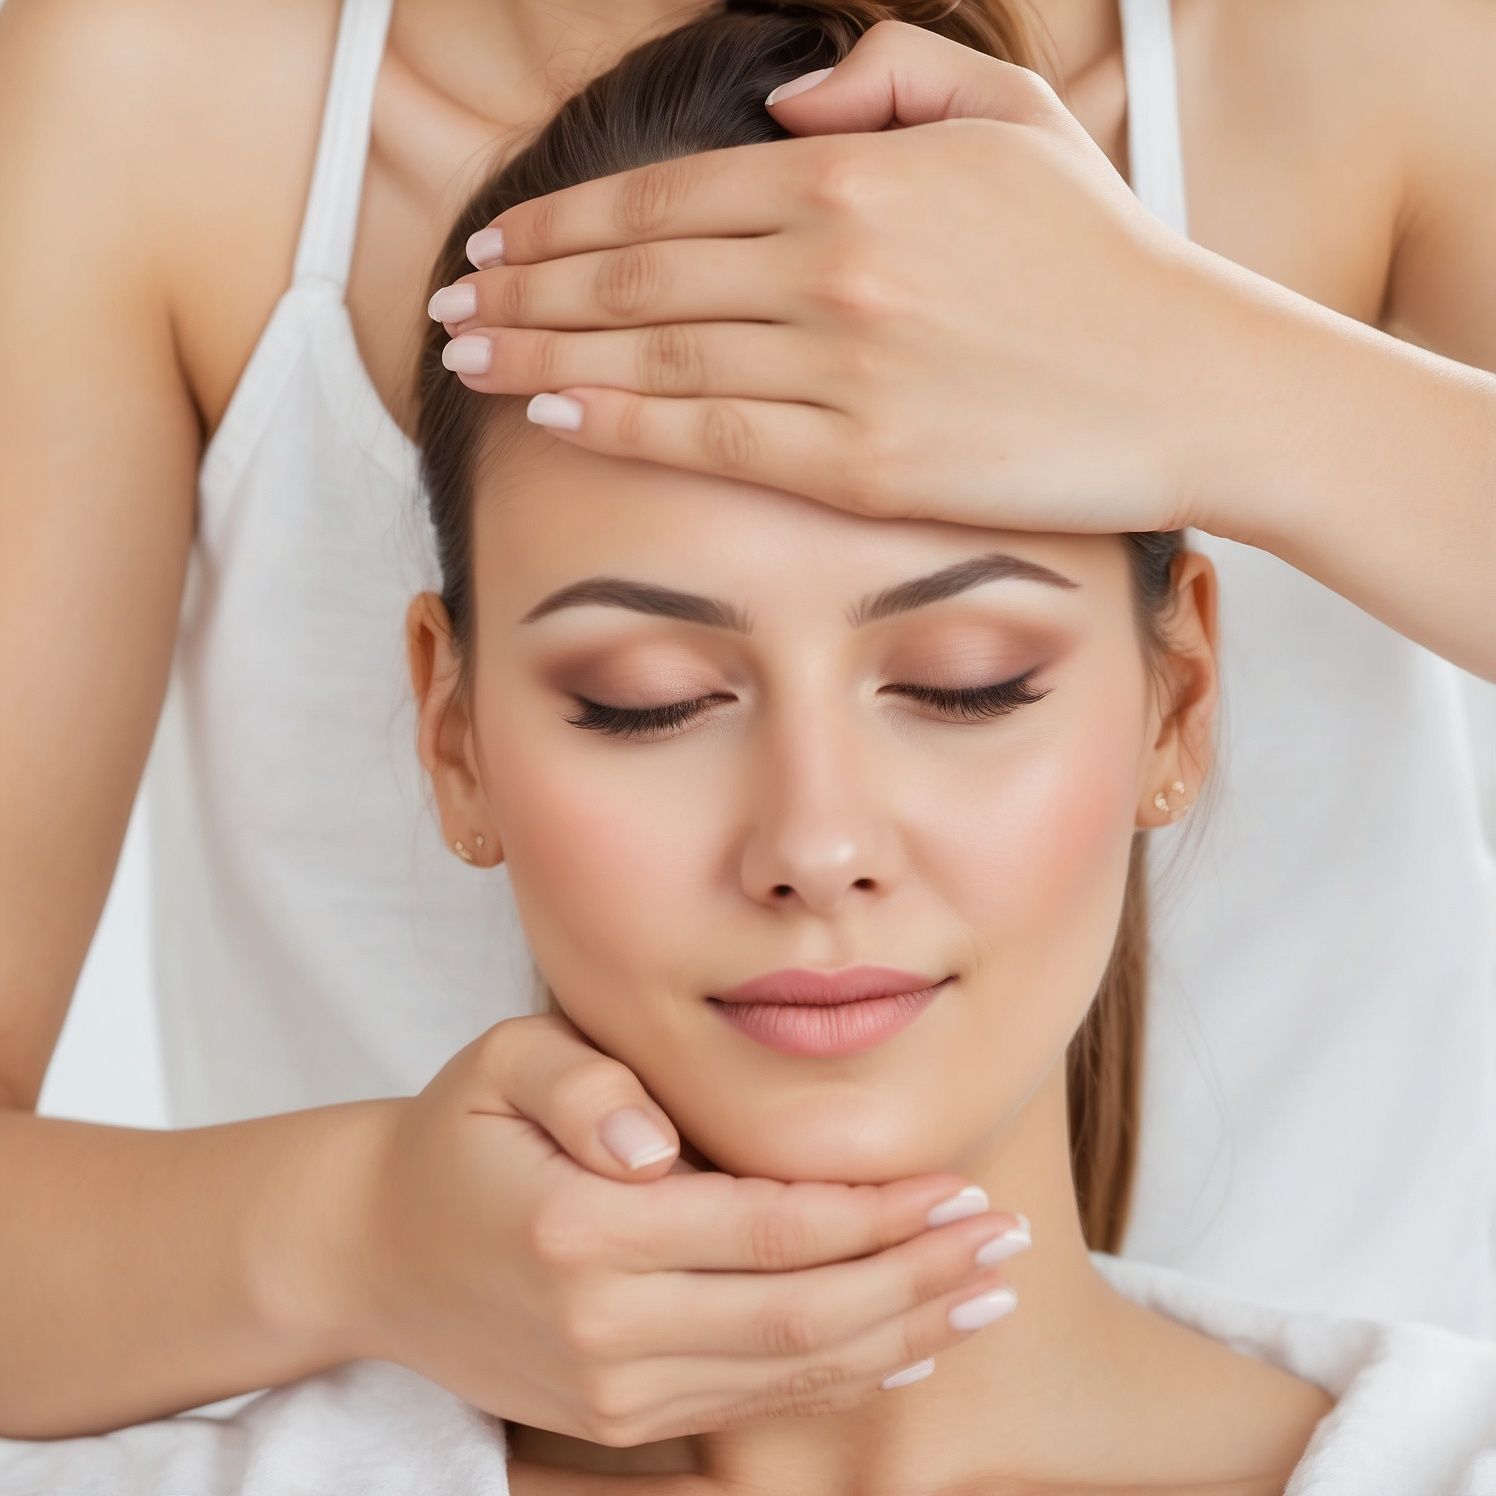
x,y
1381,64
201,118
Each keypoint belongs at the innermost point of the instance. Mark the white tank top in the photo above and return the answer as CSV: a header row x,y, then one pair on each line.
x,y
1316,1123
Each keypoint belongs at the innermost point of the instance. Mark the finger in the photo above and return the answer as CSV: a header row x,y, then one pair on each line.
x,y
813,1311
824,1383
802,448
541,1068
901,74
754,360
671,280
718,1221
740,189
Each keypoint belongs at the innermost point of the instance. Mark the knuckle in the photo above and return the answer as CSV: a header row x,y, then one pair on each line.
x,y
612,1407
671,355
646,196
922,1335
512,299
808,1384
629,423
787,1330
778,1240
559,1235
849,285
590,1332
589,1084
725,436
861,365
545,358
932,1277
540,234
842,179
627,278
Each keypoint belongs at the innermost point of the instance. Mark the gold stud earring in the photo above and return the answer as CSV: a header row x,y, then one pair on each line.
x,y
462,851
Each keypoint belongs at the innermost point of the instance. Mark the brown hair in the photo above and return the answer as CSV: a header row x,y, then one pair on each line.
x,y
701,87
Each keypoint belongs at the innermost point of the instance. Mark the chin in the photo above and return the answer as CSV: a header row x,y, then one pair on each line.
x,y
844,1149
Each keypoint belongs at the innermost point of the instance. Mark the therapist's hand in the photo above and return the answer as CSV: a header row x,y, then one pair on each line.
x,y
484,1235
973,319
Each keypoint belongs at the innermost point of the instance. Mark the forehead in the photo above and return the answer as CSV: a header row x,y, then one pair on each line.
x,y
547,513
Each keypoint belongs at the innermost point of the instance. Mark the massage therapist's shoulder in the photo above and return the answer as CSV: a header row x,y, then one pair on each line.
x,y
176,136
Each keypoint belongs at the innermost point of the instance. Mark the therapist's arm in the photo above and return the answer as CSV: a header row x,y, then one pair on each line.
x,y
140,1270
1363,460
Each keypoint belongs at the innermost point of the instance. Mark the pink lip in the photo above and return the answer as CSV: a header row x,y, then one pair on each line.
x,y
798,985
807,1013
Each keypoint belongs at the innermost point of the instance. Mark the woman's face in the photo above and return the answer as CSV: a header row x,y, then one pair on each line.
x,y
813,811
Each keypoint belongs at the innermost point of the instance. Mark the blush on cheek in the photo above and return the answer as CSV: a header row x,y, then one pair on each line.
x,y
1039,863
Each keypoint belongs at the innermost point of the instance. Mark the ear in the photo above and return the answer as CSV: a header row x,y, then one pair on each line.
x,y
444,735
1188,685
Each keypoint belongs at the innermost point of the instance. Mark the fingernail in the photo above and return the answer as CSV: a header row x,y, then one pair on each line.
x,y
918,1372
468,354
555,410
633,1139
486,247
970,1202
453,303
1015,1239
983,1309
796,85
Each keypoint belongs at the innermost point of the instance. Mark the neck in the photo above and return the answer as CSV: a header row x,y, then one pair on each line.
x,y
1017,1396
508,63
1050,1393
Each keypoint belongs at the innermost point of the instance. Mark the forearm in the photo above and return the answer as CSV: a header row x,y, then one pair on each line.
x,y
1364,461
144,1272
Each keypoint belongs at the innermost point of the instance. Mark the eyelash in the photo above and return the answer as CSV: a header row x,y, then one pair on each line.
x,y
974,704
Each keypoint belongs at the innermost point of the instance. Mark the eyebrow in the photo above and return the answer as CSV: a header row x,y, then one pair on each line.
x,y
690,607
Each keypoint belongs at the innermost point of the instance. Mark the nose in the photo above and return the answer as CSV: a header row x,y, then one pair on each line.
x,y
823,827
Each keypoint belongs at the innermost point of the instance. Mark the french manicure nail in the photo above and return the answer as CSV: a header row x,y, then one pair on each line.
x,y
982,1310
468,354
633,1139
1015,1239
486,247
796,85
555,410
915,1373
971,1201
453,303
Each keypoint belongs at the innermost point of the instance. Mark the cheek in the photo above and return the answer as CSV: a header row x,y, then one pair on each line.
x,y
599,867
1032,847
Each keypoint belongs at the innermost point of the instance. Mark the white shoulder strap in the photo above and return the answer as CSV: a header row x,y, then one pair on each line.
x,y
326,245
1155,155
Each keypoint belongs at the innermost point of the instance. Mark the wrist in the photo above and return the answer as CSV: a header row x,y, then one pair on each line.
x,y
1249,397
312,1254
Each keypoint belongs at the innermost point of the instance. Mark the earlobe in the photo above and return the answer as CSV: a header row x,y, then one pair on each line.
x,y
442,730
1182,755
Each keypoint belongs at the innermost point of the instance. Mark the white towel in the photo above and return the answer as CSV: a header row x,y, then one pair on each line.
x,y
1416,1416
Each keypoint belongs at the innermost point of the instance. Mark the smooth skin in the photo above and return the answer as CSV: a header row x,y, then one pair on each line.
x,y
136,274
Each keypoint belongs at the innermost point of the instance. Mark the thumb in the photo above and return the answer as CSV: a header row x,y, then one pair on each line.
x,y
900,74
595,1107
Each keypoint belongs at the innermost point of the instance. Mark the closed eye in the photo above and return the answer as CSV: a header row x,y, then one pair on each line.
x,y
968,704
